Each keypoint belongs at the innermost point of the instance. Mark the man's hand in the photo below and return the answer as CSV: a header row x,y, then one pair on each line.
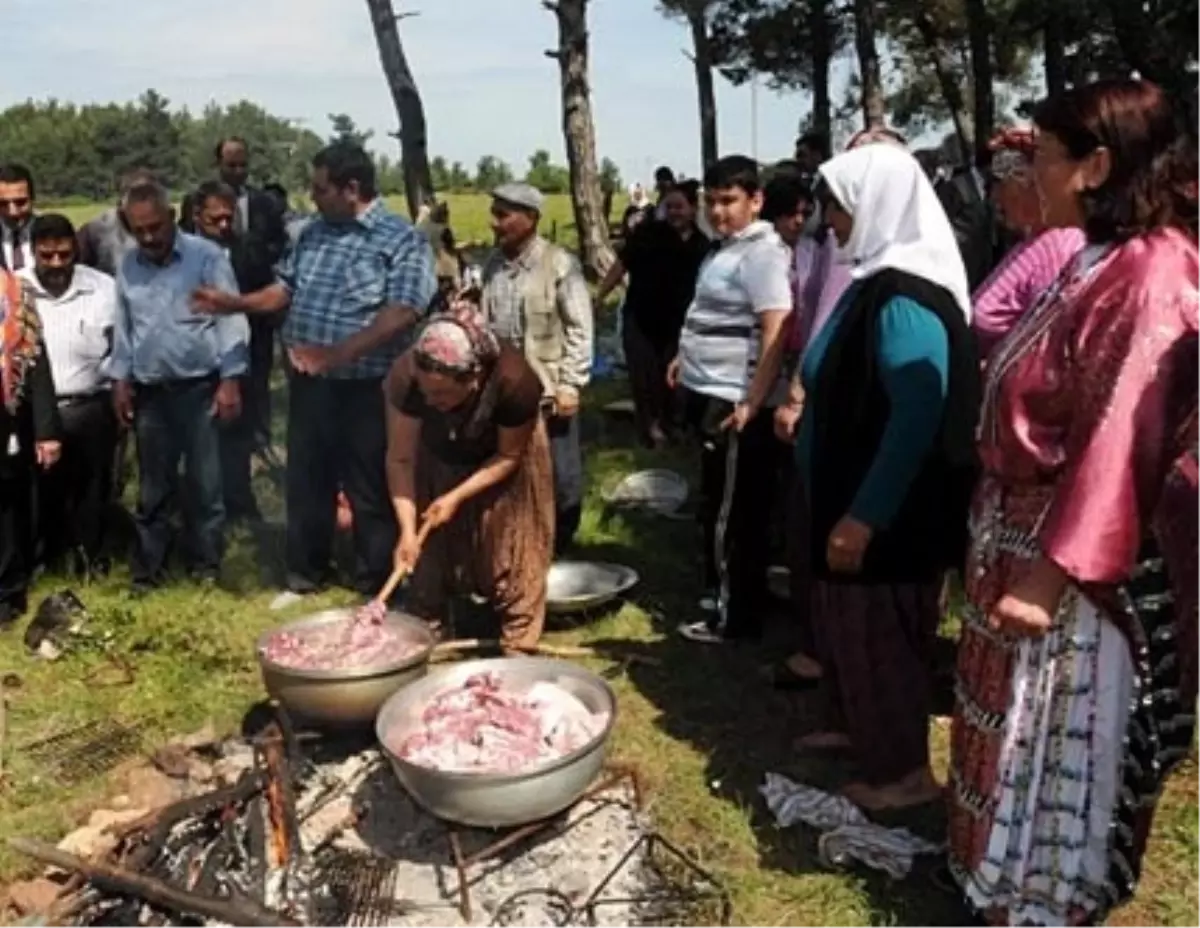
x,y
227,401
848,545
566,402
48,453
787,417
439,512
209,301
740,417
315,360
673,374
122,397
1028,608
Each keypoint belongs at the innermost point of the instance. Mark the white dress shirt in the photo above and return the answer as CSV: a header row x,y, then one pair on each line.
x,y
77,328
24,245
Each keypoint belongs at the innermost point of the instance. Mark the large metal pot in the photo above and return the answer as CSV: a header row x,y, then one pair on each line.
x,y
577,586
491,800
342,697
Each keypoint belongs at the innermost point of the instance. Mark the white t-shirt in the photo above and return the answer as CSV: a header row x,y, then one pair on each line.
x,y
747,276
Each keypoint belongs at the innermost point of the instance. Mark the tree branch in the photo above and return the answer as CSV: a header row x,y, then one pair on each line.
x,y
551,6
688,55
551,53
408,15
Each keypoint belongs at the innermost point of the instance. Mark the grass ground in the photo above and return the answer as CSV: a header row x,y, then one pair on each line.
x,y
469,216
701,725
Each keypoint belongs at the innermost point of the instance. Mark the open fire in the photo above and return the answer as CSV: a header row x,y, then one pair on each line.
x,y
274,834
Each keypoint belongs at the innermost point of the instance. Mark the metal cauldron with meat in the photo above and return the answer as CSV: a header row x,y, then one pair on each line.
x,y
337,667
499,742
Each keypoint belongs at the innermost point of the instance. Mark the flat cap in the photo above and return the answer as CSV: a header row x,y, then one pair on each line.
x,y
525,196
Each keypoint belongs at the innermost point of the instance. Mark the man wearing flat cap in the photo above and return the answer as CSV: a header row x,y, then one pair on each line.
x,y
536,299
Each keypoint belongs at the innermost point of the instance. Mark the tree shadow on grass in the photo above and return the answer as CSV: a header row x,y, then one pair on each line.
x,y
718,700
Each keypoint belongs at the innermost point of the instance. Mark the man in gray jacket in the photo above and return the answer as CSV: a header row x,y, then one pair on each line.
x,y
535,298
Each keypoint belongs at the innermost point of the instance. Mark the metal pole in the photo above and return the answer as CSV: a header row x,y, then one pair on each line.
x,y
754,117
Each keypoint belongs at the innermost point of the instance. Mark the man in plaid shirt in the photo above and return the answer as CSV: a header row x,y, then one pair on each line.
x,y
354,286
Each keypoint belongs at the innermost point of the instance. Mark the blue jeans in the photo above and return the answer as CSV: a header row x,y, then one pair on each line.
x,y
174,422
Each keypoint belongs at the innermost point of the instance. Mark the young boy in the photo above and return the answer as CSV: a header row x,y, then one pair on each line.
x,y
729,363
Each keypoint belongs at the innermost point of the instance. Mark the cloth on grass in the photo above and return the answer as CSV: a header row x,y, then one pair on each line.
x,y
846,832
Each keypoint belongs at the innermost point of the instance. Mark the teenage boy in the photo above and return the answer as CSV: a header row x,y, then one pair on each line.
x,y
729,361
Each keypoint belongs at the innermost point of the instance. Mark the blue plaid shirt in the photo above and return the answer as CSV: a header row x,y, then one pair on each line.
x,y
341,274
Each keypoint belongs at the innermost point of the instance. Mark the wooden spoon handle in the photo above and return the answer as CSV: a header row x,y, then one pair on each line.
x,y
393,581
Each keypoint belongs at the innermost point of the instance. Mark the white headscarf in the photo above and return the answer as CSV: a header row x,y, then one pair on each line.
x,y
899,222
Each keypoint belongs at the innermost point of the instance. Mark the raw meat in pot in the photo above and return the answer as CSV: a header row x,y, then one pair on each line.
x,y
484,727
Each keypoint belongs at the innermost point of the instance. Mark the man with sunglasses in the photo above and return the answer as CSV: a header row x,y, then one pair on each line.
x,y
16,213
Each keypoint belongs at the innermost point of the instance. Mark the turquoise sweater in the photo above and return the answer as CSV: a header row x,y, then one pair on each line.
x,y
913,357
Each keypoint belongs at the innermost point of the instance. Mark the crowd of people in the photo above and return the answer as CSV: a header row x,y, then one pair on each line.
x,y
929,379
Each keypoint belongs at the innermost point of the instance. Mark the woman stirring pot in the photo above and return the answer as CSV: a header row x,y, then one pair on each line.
x,y
468,454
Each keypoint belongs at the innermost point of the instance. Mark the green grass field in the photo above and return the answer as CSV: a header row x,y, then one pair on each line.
x,y
469,216
701,725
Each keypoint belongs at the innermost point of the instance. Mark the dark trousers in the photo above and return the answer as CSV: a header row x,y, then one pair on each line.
x,y
16,542
337,438
647,360
737,494
566,456
174,423
74,495
238,441
256,391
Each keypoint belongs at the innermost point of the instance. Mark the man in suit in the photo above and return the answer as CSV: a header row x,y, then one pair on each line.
x,y
16,214
30,436
258,225
214,208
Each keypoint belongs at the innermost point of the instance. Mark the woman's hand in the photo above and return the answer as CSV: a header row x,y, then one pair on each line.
x,y
673,373
439,512
408,549
787,417
848,545
1027,610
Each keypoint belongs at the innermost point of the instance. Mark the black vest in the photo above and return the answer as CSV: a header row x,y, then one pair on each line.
x,y
850,410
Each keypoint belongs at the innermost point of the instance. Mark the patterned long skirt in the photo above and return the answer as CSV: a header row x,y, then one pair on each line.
x,y
1059,744
499,545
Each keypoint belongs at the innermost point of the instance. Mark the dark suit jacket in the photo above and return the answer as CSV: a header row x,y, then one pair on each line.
x,y
36,419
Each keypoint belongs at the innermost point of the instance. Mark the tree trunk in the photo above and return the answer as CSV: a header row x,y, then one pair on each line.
x,y
1054,53
979,34
951,91
702,59
595,252
866,17
414,147
822,58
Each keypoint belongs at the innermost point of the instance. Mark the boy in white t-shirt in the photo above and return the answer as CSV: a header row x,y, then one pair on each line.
x,y
729,361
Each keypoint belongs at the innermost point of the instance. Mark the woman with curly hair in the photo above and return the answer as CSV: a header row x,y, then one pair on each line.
x,y
468,455
1040,253
1072,699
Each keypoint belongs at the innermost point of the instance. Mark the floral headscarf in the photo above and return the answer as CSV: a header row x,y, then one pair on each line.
x,y
1012,154
457,342
20,338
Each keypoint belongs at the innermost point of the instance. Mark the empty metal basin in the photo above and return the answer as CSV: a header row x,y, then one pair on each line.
x,y
576,586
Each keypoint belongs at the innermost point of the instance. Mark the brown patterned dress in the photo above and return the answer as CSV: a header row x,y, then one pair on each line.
x,y
500,543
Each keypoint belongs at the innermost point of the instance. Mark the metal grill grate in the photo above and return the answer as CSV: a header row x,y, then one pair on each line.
x,y
79,754
357,889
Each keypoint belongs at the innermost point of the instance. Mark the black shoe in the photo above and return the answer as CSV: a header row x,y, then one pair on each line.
x,y
301,586
142,588
787,680
12,609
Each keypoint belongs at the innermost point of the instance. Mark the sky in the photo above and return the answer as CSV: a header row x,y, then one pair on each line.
x,y
486,84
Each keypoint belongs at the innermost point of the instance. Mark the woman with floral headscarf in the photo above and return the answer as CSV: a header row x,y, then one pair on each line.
x,y
470,475
29,433
1030,267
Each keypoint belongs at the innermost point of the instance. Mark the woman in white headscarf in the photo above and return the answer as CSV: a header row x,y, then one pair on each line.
x,y
886,443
